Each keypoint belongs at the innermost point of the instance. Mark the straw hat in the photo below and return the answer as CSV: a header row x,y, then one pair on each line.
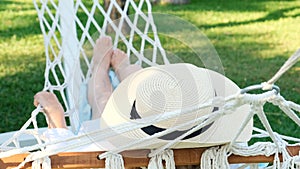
x,y
153,91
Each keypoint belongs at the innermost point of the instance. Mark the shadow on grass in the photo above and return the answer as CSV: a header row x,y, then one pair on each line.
x,y
224,6
4,5
240,59
233,5
275,15
243,63
20,26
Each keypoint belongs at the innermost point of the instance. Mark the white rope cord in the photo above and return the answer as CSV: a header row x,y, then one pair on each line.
x,y
215,158
120,21
201,121
50,25
100,134
262,117
23,128
266,149
256,109
114,161
41,154
136,29
135,21
279,145
47,38
45,162
84,28
103,134
287,65
115,27
294,106
204,121
156,162
263,134
284,106
102,137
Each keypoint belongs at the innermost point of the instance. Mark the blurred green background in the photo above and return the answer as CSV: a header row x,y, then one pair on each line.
x,y
252,37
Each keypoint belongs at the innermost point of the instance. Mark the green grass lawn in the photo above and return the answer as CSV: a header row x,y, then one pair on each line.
x,y
252,38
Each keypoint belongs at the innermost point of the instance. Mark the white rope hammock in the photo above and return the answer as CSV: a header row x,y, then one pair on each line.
x,y
66,37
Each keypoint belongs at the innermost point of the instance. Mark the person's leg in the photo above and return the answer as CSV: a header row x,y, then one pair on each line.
x,y
99,86
52,108
121,64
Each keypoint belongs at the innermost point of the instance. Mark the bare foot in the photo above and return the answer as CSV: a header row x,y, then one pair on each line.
x,y
99,87
121,65
52,108
103,51
119,60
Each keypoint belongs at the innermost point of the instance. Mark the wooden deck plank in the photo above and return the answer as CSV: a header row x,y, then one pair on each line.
x,y
134,158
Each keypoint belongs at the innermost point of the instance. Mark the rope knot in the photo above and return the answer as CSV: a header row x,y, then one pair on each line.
x,y
215,158
45,162
157,159
266,86
114,161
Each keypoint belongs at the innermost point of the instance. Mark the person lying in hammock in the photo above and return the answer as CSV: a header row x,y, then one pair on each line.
x,y
145,92
99,87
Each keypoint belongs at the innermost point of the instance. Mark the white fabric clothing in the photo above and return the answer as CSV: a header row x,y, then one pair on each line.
x,y
56,134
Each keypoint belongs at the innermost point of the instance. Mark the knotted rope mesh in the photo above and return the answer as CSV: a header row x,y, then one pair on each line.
x,y
70,29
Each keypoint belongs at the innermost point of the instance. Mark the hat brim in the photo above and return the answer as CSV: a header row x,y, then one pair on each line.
x,y
219,132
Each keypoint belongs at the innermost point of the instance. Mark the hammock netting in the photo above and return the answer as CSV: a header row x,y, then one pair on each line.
x,y
69,29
